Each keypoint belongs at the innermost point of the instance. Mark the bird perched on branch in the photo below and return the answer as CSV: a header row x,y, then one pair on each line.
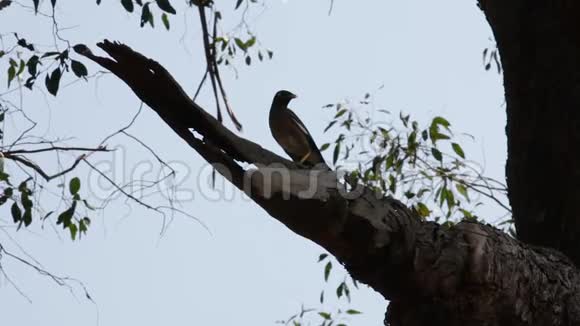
x,y
291,134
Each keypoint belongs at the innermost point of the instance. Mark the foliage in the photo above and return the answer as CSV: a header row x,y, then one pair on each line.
x,y
424,165
323,315
26,63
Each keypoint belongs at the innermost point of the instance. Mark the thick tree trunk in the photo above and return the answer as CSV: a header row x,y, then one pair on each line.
x,y
539,42
470,274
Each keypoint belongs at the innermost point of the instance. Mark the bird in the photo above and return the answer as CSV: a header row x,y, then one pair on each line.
x,y
291,133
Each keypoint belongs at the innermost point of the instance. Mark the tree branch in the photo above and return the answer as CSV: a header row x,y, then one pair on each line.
x,y
470,274
26,162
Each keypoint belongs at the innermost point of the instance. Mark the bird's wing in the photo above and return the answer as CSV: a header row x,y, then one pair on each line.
x,y
299,122
315,156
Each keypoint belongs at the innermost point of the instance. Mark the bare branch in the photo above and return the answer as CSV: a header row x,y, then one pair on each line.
x,y
26,162
55,148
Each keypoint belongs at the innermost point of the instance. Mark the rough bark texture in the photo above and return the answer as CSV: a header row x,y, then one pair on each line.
x,y
539,42
471,274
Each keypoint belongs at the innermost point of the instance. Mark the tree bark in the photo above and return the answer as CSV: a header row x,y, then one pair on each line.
x,y
470,274
539,43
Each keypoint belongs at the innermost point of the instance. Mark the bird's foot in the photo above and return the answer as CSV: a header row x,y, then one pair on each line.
x,y
302,160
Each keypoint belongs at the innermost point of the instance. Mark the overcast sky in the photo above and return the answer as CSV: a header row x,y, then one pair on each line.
x,y
248,269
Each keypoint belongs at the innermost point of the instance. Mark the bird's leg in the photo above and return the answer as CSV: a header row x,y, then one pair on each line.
x,y
302,160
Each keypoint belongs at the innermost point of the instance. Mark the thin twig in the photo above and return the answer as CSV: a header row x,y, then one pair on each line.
x,y
55,148
208,58
39,170
219,79
203,79
331,7
121,190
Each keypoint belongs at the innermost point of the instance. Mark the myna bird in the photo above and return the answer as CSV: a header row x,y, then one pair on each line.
x,y
291,133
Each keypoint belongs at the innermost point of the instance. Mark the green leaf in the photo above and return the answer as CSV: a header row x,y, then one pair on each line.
x,y
27,217
128,5
327,270
241,44
146,16
392,184
35,6
238,3
26,202
52,81
73,230
441,121
462,190
11,74
16,213
458,150
23,187
65,217
166,6
322,257
324,147
325,315
469,216
248,60
270,54
450,199
434,132
32,65
50,54
22,42
63,57
340,113
353,312
165,20
436,135
47,215
21,67
4,177
422,210
251,42
335,153
332,123
78,68
339,290
84,225
74,185
404,119
29,82
437,154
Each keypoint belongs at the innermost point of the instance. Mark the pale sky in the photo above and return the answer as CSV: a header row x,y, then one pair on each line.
x,y
249,269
